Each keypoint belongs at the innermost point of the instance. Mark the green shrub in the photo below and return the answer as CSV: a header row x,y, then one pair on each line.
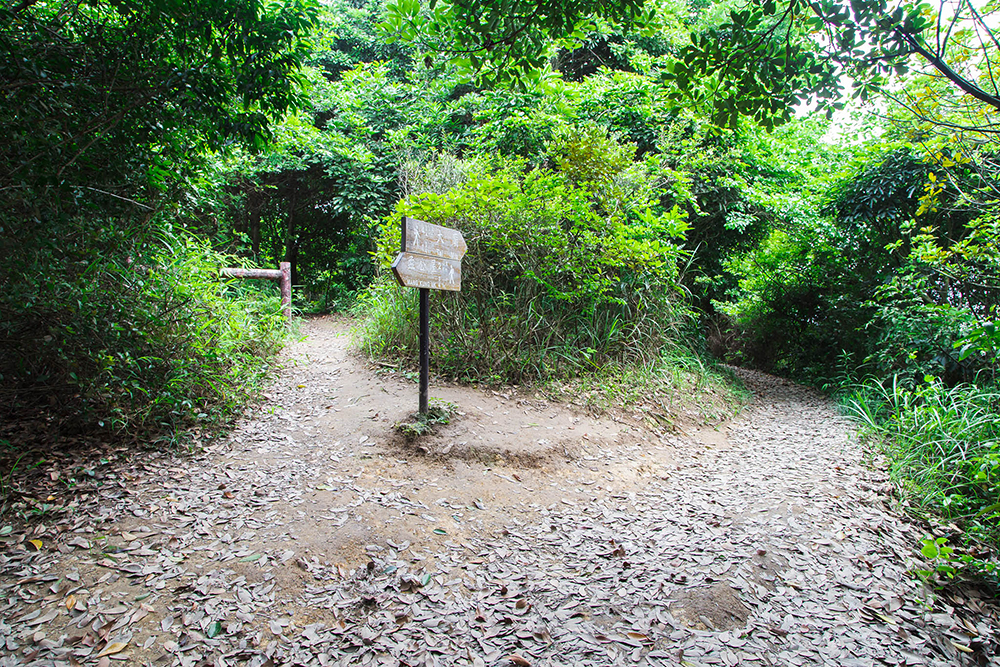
x,y
585,154
796,309
915,335
552,284
107,330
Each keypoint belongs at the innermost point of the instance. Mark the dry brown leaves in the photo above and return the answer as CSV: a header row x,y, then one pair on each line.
x,y
774,550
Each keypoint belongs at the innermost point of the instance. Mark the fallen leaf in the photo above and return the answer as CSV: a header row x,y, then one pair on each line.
x,y
43,619
112,648
518,660
37,544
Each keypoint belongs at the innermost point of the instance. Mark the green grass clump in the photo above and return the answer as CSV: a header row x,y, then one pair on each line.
x,y
420,424
387,324
943,447
678,379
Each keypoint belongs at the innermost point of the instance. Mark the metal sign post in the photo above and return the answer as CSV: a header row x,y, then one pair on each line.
x,y
430,257
425,347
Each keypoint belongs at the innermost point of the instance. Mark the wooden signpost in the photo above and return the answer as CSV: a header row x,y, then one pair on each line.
x,y
413,270
430,258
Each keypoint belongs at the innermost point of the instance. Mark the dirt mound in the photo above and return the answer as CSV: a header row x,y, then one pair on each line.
x,y
716,607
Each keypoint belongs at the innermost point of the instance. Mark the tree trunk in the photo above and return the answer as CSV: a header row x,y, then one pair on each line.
x,y
254,226
290,244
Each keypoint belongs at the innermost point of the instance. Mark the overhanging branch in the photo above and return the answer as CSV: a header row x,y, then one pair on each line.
x,y
945,69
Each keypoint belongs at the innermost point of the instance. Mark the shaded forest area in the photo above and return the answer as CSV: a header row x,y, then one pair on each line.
x,y
808,190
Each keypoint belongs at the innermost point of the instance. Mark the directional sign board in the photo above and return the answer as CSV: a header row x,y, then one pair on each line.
x,y
423,238
413,270
431,256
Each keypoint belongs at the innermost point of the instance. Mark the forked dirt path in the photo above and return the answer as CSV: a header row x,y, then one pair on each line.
x,y
524,533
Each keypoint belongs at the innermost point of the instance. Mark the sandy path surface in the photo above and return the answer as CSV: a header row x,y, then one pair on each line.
x,y
523,533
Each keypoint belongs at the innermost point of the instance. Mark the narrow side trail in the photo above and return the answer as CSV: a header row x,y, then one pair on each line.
x,y
523,533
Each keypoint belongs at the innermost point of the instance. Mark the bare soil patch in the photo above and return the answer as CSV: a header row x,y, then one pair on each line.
x,y
714,607
524,531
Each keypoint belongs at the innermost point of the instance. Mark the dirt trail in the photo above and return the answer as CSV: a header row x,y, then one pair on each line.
x,y
523,533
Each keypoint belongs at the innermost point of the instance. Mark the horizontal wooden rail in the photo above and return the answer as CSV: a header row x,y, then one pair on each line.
x,y
282,275
252,273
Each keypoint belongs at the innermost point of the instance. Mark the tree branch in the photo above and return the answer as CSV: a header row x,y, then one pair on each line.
x,y
940,65
24,5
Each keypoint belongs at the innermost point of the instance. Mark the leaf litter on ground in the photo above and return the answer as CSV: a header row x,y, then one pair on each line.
x,y
774,547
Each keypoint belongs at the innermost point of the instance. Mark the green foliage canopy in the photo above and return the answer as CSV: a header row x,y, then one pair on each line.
x,y
110,110
761,61
508,39
99,94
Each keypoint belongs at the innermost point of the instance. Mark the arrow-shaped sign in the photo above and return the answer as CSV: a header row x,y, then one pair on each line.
x,y
431,256
413,270
424,238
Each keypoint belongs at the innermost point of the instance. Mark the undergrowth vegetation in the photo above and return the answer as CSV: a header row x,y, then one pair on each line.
x,y
679,379
931,402
564,273
943,449
116,119
138,339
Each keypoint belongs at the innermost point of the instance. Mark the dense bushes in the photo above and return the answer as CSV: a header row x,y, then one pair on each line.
x,y
933,407
110,329
110,114
878,281
797,311
558,279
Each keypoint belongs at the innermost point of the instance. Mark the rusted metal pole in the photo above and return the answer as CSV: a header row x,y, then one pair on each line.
x,y
425,347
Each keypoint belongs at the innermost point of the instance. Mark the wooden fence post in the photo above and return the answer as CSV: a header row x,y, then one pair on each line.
x,y
282,275
286,288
